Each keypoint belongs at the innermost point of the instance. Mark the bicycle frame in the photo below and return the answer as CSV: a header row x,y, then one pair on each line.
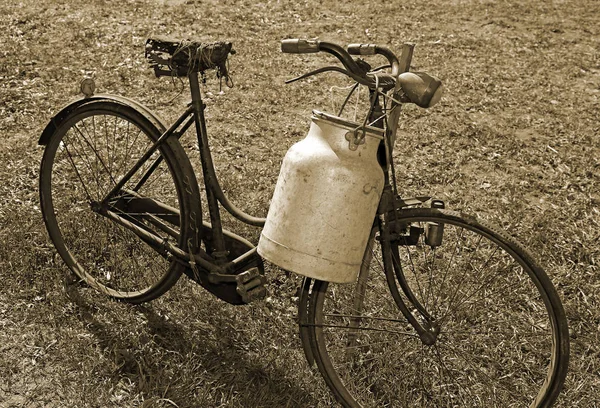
x,y
214,261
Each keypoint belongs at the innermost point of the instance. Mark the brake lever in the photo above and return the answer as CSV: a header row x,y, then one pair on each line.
x,y
363,65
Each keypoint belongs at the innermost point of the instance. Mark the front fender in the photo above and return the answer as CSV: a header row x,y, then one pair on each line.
x,y
57,119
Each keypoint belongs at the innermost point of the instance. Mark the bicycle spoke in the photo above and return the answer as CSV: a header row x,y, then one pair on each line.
x,y
78,175
481,301
446,272
97,155
93,149
84,158
375,329
463,276
457,382
492,334
467,359
485,283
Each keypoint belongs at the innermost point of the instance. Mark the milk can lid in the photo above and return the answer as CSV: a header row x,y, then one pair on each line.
x,y
346,124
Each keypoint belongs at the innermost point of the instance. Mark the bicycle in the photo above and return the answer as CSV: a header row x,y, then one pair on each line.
x,y
444,310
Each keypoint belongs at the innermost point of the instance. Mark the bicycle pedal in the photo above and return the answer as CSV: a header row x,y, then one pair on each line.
x,y
251,285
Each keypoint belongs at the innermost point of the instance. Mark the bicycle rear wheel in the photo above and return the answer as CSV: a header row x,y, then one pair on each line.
x,y
501,332
90,151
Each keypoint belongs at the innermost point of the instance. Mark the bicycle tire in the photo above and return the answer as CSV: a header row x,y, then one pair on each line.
x,y
502,337
91,149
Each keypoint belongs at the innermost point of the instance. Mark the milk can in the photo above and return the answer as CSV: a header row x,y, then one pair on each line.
x,y
325,201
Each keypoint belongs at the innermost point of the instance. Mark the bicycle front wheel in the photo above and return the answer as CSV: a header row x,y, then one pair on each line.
x,y
501,337
88,154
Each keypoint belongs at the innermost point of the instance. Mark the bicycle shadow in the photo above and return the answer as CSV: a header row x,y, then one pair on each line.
x,y
217,363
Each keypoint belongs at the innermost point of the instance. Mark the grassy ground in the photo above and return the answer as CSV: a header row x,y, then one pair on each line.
x,y
516,140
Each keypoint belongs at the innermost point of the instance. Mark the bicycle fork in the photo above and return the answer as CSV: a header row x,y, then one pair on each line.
x,y
426,327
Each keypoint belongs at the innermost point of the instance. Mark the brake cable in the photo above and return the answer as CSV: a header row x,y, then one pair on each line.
x,y
355,77
356,85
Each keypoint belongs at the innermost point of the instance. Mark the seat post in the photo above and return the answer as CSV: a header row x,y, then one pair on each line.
x,y
195,87
218,250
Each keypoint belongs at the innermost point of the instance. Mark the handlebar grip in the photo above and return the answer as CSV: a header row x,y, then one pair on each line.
x,y
297,46
362,49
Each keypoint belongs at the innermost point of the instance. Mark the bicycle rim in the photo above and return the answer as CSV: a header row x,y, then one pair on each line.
x,y
89,153
502,334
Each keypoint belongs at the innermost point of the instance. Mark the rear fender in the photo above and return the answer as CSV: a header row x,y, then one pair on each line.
x,y
57,119
306,331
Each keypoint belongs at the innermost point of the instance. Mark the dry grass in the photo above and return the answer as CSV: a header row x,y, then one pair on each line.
x,y
516,140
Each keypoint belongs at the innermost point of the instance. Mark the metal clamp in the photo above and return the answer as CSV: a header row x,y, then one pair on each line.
x,y
356,138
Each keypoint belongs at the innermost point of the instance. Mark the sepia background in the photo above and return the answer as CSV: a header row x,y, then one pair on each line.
x,y
516,140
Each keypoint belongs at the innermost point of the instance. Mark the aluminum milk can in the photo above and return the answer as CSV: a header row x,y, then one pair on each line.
x,y
325,201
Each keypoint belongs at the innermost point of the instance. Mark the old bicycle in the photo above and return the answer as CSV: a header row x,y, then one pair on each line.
x,y
404,303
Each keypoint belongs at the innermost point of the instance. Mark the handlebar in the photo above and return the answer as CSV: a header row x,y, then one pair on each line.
x,y
301,46
297,46
419,88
